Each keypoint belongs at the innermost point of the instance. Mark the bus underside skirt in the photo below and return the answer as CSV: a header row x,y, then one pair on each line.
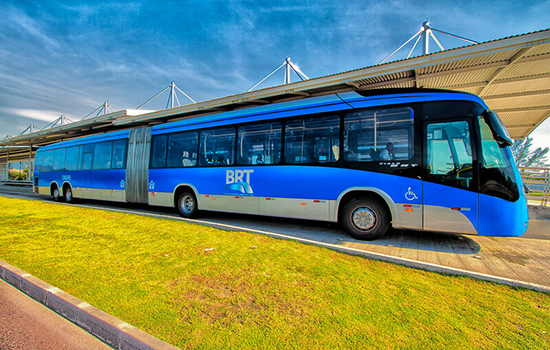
x,y
448,220
410,216
104,194
311,209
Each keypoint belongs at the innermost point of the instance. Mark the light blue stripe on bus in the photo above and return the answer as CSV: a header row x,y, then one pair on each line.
x,y
357,101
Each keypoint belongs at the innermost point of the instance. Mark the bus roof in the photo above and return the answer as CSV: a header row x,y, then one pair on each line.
x,y
115,135
323,104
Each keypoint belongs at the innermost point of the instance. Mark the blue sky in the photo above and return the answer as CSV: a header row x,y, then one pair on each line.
x,y
68,57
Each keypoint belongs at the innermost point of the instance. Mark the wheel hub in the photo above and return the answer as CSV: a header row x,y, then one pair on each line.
x,y
364,218
188,204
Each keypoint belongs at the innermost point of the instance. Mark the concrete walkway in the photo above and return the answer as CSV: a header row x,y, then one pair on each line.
x,y
525,260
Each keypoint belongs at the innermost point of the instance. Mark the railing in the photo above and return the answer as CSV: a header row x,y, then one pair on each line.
x,y
537,184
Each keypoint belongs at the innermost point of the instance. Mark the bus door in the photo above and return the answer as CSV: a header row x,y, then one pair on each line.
x,y
83,186
449,188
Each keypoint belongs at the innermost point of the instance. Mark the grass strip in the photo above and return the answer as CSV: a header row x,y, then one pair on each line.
x,y
200,287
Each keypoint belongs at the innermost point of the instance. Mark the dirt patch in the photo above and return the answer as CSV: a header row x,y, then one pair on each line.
x,y
226,299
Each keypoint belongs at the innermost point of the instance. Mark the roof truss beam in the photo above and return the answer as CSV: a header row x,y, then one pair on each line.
x,y
517,56
521,109
518,94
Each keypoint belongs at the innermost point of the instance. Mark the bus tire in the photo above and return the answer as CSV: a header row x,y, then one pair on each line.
x,y
55,194
365,219
68,195
187,205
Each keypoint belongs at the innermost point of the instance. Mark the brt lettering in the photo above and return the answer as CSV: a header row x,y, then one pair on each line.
x,y
234,176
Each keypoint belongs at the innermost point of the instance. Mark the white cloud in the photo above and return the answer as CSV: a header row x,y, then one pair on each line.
x,y
47,116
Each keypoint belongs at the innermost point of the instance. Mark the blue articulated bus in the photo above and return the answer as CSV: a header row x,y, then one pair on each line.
x,y
411,159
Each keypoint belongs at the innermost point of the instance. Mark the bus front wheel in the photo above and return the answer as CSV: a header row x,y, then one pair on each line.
x,y
365,219
187,205
56,195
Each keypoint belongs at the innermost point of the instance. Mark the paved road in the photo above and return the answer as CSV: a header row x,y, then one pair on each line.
x,y
26,324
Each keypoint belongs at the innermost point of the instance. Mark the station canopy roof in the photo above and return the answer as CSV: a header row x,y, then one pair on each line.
x,y
511,74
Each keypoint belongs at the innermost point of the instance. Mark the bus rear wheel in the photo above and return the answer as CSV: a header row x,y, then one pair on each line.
x,y
365,219
187,205
68,195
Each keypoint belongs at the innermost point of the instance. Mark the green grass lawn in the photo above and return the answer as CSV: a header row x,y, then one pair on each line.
x,y
200,287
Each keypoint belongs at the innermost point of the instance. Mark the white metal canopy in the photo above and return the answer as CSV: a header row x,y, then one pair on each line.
x,y
511,74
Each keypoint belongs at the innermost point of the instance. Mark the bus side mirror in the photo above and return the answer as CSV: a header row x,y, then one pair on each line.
x,y
498,129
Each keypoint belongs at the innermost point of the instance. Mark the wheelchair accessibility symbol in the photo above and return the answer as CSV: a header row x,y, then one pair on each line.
x,y
410,195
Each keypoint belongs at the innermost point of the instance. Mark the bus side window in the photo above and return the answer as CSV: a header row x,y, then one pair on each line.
x,y
87,156
217,147
449,155
59,159
312,140
38,159
379,135
47,161
259,144
103,153
119,155
158,153
71,158
182,149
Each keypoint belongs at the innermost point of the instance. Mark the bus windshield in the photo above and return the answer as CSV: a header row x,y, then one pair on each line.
x,y
497,174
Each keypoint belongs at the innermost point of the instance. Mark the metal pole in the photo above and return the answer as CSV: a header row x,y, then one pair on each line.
x,y
400,47
456,36
436,41
298,72
270,74
287,70
152,98
172,93
426,38
183,94
30,164
89,114
103,109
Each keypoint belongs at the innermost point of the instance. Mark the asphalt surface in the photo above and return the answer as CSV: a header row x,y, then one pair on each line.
x,y
26,324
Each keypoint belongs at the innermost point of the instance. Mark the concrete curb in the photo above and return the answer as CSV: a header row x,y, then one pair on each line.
x,y
114,332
